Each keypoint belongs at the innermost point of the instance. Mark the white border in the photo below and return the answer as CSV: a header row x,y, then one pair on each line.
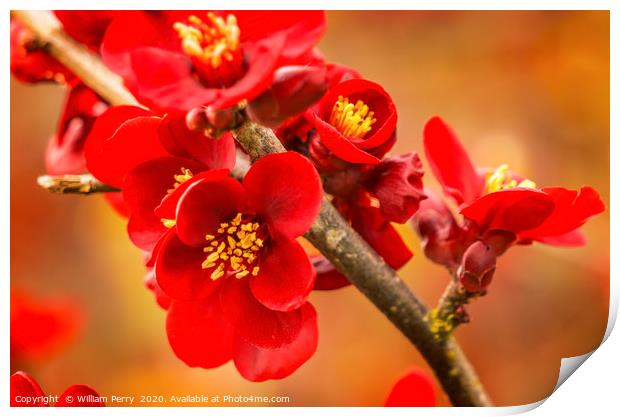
x,y
595,386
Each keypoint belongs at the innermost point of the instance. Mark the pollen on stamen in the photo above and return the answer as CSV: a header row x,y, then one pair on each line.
x,y
352,120
179,179
234,249
212,41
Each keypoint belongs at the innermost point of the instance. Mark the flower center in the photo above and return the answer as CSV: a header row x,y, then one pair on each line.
x,y
352,120
214,48
236,247
501,179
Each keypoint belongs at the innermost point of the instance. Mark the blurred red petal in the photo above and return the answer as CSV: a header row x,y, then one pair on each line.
x,y
414,389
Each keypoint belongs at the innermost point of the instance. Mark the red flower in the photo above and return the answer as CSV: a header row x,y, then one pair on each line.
x,y
29,62
186,59
25,392
414,389
501,200
237,276
65,150
148,157
356,121
40,328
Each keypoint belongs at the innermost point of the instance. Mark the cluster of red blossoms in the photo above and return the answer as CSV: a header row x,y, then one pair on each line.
x,y
222,252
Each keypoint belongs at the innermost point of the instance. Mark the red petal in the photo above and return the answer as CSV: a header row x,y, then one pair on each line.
x,y
80,396
285,278
167,209
258,364
65,150
285,190
414,389
86,26
204,205
340,146
178,269
397,183
199,334
327,277
253,321
180,141
450,163
115,199
381,235
23,385
571,239
516,210
303,28
99,161
163,300
572,209
144,187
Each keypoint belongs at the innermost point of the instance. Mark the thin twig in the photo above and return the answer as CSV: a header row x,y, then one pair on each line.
x,y
331,234
74,184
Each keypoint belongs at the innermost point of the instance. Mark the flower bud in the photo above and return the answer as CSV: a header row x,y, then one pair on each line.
x,y
439,233
294,89
477,267
213,122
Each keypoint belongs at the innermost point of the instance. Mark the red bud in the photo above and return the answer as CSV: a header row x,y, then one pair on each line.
x,y
477,267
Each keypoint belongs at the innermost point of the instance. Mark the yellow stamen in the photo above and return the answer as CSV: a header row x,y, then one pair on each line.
x,y
179,179
211,42
352,120
169,223
218,273
235,247
501,179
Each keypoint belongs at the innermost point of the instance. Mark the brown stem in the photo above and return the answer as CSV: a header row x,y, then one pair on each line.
x,y
450,312
331,234
74,184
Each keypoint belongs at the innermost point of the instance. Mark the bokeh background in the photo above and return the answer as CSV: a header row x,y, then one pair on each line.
x,y
530,89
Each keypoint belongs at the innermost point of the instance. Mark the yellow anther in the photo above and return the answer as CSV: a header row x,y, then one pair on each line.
x,y
241,274
352,120
169,223
235,247
179,179
237,220
235,262
255,270
218,273
501,179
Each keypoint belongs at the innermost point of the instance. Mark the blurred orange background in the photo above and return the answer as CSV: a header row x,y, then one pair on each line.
x,y
530,89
